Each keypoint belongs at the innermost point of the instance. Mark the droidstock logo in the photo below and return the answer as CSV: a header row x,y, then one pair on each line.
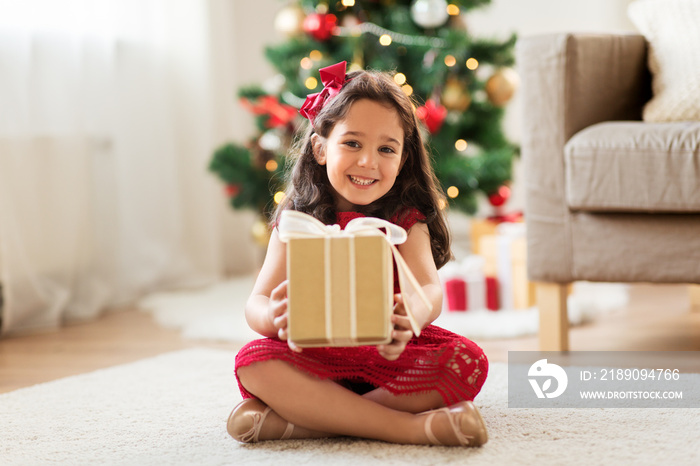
x,y
541,370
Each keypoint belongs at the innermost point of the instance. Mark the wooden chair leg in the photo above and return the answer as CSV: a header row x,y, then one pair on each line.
x,y
554,321
694,297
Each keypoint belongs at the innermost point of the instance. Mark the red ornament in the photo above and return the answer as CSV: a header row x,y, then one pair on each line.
x,y
500,197
320,26
432,115
232,190
279,114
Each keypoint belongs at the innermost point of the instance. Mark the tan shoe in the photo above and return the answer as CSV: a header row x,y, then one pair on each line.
x,y
465,421
246,420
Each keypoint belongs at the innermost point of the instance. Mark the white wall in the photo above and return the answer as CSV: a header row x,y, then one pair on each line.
x,y
254,29
529,17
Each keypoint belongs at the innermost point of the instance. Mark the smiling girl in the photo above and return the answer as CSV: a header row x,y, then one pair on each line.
x,y
362,155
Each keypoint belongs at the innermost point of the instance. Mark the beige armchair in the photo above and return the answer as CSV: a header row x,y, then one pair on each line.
x,y
609,198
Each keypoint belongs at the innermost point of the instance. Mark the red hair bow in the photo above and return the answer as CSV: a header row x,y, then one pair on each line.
x,y
333,78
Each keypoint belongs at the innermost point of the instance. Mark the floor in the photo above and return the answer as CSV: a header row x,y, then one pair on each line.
x,y
657,318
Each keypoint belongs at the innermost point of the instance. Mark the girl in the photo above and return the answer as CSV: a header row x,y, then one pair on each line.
x,y
362,155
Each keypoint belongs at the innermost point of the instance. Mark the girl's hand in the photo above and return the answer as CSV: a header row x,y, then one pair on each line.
x,y
278,312
401,334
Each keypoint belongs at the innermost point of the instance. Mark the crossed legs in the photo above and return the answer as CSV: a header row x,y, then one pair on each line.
x,y
322,408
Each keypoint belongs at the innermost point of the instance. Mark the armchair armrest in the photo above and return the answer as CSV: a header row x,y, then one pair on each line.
x,y
569,82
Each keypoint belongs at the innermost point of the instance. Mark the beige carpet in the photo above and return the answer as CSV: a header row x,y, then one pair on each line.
x,y
172,410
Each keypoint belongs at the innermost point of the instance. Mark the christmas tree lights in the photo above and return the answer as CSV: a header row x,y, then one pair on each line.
x,y
460,85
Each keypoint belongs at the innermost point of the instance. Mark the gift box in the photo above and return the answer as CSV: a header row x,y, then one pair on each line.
x,y
456,294
505,256
341,282
493,297
480,227
340,291
464,285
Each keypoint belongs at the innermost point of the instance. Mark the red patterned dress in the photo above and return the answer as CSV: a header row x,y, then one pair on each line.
x,y
439,360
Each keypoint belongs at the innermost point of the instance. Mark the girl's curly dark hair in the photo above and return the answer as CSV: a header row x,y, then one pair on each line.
x,y
308,187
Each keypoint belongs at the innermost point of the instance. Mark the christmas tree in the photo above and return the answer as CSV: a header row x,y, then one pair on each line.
x,y
460,85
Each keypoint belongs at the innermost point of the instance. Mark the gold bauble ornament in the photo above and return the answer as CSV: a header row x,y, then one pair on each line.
x,y
260,232
455,95
290,20
502,85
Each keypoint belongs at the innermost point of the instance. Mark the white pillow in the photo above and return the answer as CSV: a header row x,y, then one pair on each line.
x,y
672,28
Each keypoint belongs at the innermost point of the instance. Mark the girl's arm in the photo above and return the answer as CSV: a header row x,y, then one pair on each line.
x,y
419,258
266,309
418,255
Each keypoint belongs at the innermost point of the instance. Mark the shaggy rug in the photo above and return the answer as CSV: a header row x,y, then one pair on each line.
x,y
216,312
172,409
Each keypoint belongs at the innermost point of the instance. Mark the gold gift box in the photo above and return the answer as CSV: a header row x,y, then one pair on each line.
x,y
340,291
480,227
522,289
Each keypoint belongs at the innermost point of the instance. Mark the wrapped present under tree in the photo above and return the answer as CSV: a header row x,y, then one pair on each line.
x,y
505,258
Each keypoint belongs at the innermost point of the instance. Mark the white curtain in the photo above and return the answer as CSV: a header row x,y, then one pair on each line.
x,y
106,129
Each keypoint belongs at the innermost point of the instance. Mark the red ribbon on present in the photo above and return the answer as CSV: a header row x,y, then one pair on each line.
x,y
279,114
333,78
513,217
456,293
492,303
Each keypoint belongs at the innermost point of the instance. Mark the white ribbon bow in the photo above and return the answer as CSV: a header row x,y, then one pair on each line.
x,y
295,225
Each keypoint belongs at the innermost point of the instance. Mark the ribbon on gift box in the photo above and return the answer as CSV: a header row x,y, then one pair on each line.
x,y
296,225
473,272
508,233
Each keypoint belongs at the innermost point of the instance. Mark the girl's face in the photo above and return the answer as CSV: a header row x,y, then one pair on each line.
x,y
362,154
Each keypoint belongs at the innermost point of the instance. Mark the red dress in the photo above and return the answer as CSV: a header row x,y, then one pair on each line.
x,y
438,359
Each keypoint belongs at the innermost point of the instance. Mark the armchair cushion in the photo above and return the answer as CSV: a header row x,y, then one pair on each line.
x,y
634,166
673,31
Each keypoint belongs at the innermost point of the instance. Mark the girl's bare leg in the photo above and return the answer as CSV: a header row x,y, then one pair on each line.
x,y
410,403
324,408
